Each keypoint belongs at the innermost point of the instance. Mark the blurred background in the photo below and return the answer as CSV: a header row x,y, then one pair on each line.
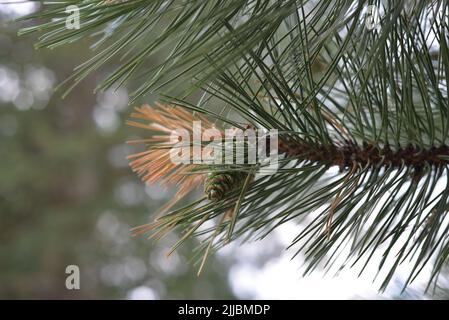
x,y
68,197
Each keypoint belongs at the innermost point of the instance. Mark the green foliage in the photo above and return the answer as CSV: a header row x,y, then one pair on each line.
x,y
314,71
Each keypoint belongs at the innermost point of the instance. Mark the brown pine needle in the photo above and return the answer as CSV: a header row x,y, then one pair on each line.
x,y
155,165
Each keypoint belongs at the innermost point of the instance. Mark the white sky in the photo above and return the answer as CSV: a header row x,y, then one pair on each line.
x,y
281,277
17,8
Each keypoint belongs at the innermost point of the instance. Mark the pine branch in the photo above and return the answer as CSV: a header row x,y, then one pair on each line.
x,y
373,103
350,154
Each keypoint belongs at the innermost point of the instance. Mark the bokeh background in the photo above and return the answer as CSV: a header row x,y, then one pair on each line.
x,y
67,196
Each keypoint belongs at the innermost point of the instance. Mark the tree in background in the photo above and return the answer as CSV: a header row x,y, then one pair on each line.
x,y
356,89
67,195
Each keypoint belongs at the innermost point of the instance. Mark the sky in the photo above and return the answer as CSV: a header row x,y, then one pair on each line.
x,y
16,8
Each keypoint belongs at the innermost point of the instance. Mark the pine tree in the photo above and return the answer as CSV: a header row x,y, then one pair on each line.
x,y
356,89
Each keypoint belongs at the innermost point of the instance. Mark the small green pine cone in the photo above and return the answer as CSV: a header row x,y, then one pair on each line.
x,y
219,183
